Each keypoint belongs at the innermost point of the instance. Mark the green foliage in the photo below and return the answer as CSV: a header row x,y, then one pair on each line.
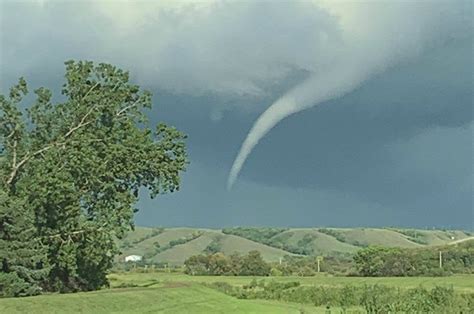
x,y
253,265
218,264
334,233
214,246
413,235
305,266
12,285
370,261
156,231
23,258
157,248
74,169
261,235
378,261
274,237
305,244
281,241
373,298
184,240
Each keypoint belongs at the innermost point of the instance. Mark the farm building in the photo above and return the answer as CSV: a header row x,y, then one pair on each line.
x,y
133,258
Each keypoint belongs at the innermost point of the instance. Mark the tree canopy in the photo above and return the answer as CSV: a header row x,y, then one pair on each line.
x,y
251,264
70,174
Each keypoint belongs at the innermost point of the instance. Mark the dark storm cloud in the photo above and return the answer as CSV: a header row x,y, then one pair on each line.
x,y
396,151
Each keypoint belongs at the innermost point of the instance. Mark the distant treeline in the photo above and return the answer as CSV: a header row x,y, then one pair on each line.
x,y
261,235
370,261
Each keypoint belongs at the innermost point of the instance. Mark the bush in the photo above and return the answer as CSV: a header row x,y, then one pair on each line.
x,y
11,285
373,298
275,272
251,264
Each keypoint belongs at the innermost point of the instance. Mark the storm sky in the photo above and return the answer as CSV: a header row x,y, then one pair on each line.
x,y
392,148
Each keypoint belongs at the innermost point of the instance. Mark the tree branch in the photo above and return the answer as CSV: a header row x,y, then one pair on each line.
x,y
90,90
82,123
11,134
23,161
128,107
76,232
15,143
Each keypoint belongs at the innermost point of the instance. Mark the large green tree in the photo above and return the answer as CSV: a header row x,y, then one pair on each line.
x,y
70,174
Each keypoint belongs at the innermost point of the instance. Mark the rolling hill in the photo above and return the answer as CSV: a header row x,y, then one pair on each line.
x,y
174,245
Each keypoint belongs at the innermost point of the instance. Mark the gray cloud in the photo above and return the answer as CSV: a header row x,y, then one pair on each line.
x,y
214,66
241,48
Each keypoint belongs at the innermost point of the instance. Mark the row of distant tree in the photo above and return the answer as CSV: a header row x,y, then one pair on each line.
x,y
370,261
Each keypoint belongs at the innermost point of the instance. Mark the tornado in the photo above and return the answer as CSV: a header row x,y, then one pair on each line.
x,y
374,38
338,81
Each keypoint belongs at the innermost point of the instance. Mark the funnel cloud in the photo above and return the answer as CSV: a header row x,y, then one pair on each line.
x,y
373,39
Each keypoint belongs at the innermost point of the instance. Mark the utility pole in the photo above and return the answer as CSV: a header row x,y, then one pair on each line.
x,y
440,259
318,260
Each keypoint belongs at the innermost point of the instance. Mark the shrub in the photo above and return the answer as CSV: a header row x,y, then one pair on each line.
x,y
11,285
373,298
251,264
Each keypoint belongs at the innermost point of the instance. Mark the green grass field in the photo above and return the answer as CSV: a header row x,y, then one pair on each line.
x,y
179,293
179,298
168,292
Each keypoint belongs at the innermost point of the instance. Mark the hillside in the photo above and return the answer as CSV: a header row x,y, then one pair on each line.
x,y
174,245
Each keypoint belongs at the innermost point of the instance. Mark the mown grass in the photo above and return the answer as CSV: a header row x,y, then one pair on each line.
x,y
164,298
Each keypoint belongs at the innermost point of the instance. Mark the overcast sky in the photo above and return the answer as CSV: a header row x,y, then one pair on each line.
x,y
373,126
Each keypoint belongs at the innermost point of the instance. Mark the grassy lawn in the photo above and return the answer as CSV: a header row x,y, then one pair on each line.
x,y
164,298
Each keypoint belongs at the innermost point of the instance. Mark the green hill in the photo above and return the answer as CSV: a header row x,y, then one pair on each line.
x,y
175,245
227,244
382,237
317,243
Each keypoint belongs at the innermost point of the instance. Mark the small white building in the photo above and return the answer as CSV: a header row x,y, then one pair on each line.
x,y
133,258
